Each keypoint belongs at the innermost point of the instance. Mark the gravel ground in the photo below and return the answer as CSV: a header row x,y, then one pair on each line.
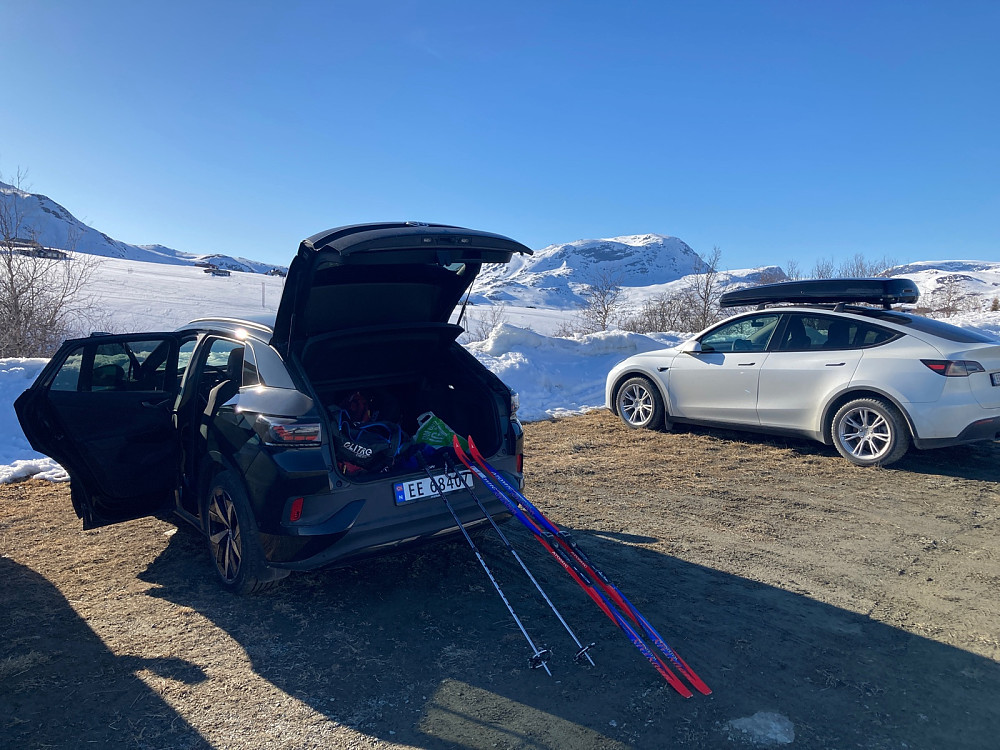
x,y
827,606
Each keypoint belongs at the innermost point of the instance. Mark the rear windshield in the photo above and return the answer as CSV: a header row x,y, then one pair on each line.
x,y
933,327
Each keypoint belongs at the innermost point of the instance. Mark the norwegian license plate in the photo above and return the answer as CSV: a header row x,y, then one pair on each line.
x,y
995,378
421,489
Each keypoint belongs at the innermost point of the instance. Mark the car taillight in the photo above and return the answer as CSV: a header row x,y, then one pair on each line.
x,y
515,404
295,513
953,368
289,432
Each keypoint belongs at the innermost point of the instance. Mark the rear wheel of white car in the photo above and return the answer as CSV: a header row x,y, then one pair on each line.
x,y
639,404
870,432
233,539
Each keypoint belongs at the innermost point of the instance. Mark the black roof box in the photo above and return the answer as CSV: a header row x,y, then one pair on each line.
x,y
871,291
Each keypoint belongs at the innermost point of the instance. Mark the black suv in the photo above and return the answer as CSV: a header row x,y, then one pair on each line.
x,y
237,425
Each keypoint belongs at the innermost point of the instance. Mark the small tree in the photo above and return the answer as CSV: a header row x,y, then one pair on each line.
x,y
702,294
995,306
42,300
602,302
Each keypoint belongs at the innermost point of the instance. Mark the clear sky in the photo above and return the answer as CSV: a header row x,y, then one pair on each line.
x,y
774,130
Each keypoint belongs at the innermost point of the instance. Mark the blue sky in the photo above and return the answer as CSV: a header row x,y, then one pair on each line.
x,y
772,130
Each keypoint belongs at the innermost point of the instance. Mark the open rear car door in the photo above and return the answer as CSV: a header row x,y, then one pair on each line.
x,y
103,408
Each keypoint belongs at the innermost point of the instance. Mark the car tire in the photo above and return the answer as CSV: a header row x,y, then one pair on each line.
x,y
233,538
870,432
639,404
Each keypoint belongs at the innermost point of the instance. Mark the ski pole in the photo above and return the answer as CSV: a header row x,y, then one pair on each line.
x,y
569,565
539,657
581,649
610,589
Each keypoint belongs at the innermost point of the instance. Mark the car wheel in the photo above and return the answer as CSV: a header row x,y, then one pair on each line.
x,y
870,432
233,540
639,404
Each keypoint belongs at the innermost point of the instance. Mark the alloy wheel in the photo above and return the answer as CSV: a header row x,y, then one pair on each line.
x,y
865,433
224,535
636,404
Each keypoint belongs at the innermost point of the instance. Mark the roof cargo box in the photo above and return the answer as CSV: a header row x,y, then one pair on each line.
x,y
885,292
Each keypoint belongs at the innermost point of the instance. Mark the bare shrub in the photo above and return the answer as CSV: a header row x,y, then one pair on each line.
x,y
43,299
486,320
602,302
859,267
692,308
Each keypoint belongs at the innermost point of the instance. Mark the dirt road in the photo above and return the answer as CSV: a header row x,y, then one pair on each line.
x,y
827,606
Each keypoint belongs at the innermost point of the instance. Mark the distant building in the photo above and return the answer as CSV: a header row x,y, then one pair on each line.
x,y
217,271
277,272
33,249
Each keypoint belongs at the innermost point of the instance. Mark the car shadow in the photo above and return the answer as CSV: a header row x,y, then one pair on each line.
x,y
418,649
972,461
55,678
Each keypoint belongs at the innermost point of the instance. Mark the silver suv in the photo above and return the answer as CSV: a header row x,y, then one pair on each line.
x,y
805,361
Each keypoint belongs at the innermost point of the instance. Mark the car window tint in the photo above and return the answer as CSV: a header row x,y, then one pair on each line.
x,y
871,335
747,334
130,366
68,376
223,362
805,332
934,327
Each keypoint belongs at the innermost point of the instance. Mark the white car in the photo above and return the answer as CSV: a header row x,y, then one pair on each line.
x,y
871,381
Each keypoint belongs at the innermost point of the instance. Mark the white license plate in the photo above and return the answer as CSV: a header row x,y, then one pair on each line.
x,y
421,489
995,378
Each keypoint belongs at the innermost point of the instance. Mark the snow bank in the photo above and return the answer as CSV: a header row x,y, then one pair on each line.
x,y
17,460
559,376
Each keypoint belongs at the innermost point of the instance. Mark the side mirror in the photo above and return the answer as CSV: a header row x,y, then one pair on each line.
x,y
691,346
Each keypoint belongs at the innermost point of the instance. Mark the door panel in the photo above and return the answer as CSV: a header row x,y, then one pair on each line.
x,y
719,383
103,408
814,357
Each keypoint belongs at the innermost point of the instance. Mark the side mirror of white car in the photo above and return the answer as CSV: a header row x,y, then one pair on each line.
x,y
691,346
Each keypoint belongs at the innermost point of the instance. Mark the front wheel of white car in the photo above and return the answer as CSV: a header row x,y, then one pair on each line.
x,y
870,432
639,404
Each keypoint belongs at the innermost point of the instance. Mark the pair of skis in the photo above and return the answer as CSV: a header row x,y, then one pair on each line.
x,y
609,599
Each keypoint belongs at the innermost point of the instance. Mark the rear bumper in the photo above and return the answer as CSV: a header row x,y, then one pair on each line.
x,y
363,520
979,431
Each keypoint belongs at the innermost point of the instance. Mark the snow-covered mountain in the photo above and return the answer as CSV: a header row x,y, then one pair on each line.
x,y
555,275
958,286
41,219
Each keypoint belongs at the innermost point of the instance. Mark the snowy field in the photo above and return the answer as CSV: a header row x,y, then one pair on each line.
x,y
555,376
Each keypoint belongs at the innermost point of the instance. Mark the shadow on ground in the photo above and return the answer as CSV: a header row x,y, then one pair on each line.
x,y
60,686
418,649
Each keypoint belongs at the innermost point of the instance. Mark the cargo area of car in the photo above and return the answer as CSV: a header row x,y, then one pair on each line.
x,y
403,374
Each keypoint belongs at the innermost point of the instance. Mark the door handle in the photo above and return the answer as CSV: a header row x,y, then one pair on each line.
x,y
835,364
745,364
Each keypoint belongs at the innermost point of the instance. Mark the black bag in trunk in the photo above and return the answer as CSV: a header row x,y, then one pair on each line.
x,y
373,446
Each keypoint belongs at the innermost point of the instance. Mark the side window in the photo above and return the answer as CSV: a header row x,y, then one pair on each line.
x,y
184,357
223,362
870,335
68,377
748,334
805,332
134,365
